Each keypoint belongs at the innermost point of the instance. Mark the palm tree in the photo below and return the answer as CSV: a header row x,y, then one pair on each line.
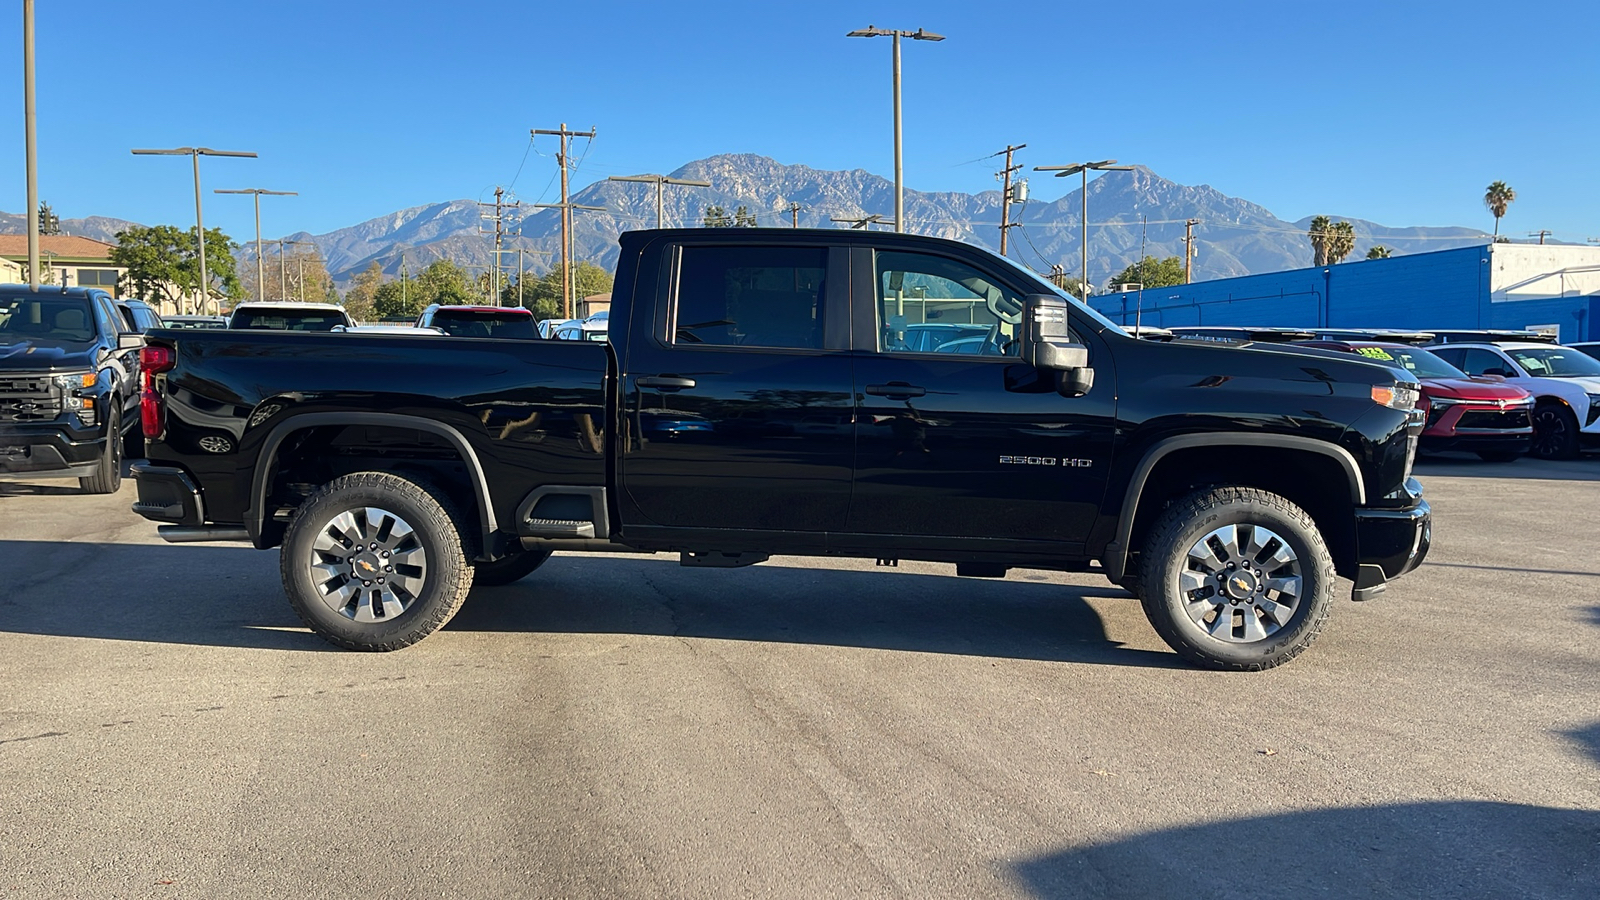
x,y
1341,242
1379,251
1497,197
1320,232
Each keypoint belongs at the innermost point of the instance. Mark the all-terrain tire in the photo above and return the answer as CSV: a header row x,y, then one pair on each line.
x,y
326,587
107,477
508,570
1246,517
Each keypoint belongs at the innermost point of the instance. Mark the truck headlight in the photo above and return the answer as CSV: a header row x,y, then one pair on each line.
x,y
1400,395
72,380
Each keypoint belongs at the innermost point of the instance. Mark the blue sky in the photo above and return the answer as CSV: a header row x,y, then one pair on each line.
x,y
1398,112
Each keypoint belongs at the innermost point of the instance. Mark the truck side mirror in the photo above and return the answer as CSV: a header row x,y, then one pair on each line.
x,y
1046,343
130,340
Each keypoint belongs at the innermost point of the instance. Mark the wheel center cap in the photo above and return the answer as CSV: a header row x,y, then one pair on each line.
x,y
1239,584
366,566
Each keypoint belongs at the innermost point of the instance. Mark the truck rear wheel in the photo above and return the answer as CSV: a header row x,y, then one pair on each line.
x,y
107,477
1236,578
508,570
373,561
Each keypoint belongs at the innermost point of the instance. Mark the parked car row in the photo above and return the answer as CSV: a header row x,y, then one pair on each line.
x,y
1499,393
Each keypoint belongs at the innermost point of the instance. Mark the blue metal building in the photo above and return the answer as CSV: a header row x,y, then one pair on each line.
x,y
1489,286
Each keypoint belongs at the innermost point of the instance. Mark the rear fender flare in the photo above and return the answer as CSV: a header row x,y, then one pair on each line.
x,y
267,461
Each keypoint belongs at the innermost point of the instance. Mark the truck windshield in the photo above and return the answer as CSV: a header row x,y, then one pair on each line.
x,y
1048,288
485,324
1418,362
66,320
1555,362
287,319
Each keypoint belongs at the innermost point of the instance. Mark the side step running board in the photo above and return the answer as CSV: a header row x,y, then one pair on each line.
x,y
558,528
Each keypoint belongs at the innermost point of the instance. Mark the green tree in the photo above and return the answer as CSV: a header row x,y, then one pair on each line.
x,y
1331,241
1497,196
1342,242
717,217
1379,251
163,263
1153,273
49,222
360,300
543,294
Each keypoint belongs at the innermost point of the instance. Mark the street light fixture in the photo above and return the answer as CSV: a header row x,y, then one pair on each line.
x,y
1104,165
658,181
261,284
199,220
899,168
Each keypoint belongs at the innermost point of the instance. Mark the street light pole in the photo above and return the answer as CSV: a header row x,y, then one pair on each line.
x,y
261,284
199,221
658,181
30,144
1104,165
899,168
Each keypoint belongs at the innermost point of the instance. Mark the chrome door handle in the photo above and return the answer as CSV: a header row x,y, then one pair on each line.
x,y
664,382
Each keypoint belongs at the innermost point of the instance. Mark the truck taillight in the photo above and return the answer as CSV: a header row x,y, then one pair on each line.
x,y
153,360
156,359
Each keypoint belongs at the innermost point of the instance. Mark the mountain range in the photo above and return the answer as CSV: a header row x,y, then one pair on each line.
x,y
1127,211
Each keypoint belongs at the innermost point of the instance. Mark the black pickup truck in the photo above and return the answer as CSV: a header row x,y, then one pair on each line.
x,y
760,394
69,384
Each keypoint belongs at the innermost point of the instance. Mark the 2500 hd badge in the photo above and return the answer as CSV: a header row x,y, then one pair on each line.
x,y
1045,461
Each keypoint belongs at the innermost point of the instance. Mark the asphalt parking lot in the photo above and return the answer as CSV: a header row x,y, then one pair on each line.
x,y
624,727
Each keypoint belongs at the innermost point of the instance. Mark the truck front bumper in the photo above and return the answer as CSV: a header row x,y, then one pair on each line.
x,y
1391,542
48,450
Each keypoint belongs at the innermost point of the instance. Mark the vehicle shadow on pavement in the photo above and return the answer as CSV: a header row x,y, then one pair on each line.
x,y
1589,740
28,489
1446,849
216,595
797,605
1467,466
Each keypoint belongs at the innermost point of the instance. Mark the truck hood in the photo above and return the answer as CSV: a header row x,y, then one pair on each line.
x,y
41,354
1472,389
1328,357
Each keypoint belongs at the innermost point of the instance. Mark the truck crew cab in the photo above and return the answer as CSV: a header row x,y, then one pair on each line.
x,y
758,395
69,385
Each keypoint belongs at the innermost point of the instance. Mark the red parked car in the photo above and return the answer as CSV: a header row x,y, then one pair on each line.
x,y
1481,414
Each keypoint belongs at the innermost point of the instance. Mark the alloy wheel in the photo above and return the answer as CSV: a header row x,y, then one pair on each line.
x,y
367,564
1241,583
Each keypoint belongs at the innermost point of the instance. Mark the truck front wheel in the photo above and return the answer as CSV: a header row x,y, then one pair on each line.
x,y
373,561
107,477
1236,578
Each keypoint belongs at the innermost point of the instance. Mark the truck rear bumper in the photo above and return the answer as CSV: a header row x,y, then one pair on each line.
x,y
47,451
1390,543
168,495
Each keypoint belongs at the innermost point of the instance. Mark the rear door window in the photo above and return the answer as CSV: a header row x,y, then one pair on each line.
x,y
484,324
750,297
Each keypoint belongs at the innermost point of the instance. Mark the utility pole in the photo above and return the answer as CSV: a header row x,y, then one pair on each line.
x,y
794,214
261,284
1005,194
300,266
1541,234
658,181
499,233
564,160
1188,247
864,223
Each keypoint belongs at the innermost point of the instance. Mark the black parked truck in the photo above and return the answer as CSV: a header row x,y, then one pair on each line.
x,y
758,396
69,384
